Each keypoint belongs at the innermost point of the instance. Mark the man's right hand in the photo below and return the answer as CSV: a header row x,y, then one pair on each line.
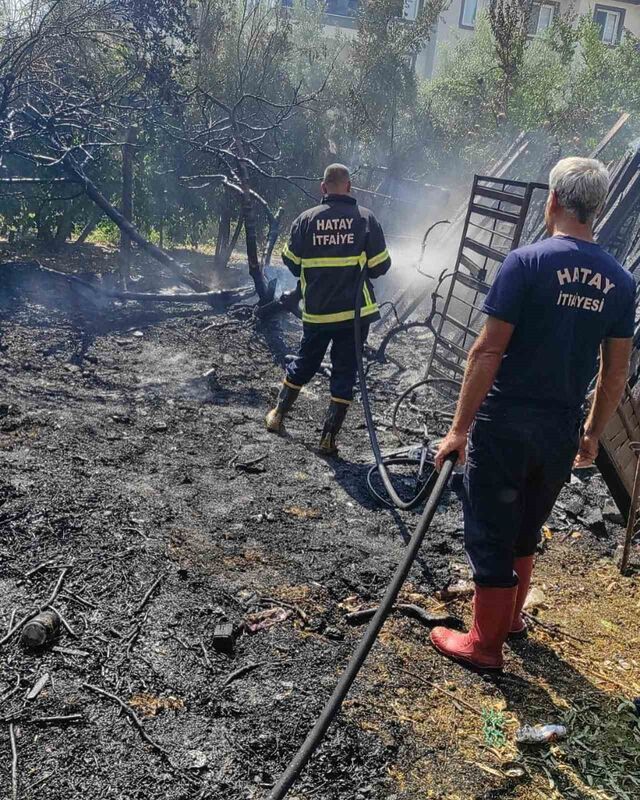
x,y
587,452
453,442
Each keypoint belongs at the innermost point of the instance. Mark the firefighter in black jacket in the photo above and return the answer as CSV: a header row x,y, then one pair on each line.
x,y
329,246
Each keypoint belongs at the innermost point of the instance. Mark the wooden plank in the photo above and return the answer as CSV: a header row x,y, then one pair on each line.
x,y
623,429
629,395
618,440
497,167
625,412
614,426
620,207
620,493
624,476
626,458
610,135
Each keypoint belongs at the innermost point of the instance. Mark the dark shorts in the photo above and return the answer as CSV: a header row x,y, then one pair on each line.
x,y
516,467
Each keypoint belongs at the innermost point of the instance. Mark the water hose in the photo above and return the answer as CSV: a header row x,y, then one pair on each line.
x,y
400,460
331,708
430,491
381,463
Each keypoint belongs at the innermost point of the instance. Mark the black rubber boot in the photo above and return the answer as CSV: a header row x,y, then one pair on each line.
x,y
287,397
332,424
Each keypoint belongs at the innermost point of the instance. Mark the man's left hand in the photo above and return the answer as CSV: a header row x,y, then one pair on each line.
x,y
453,442
587,453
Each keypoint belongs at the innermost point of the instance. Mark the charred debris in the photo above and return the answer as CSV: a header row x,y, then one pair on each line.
x,y
78,621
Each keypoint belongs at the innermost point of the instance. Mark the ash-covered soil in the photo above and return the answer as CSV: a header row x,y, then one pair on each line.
x,y
133,455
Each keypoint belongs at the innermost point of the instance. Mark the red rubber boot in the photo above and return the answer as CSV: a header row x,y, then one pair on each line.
x,y
523,567
492,618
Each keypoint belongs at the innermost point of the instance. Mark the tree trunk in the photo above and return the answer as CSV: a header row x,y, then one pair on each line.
x,y
90,227
224,232
65,226
163,211
91,290
251,237
231,246
44,233
274,232
179,270
250,226
128,154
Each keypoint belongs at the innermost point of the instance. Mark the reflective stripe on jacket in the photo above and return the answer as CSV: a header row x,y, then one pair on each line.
x,y
329,245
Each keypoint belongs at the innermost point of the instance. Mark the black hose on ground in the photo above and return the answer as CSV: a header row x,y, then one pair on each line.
x,y
429,491
334,703
381,463
395,461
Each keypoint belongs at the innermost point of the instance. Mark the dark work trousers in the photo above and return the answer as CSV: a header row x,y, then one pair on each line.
x,y
315,341
516,466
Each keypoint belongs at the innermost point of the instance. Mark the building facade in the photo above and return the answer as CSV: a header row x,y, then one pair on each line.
x,y
612,17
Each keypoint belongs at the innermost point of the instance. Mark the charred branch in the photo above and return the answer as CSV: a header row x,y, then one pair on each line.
x,y
179,270
99,292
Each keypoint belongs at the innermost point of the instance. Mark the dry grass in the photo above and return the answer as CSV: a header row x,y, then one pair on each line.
x,y
435,706
150,706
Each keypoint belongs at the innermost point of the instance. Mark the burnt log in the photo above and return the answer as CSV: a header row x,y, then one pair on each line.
x,y
287,302
95,291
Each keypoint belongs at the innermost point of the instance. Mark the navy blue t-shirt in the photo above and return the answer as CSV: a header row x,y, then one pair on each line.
x,y
564,296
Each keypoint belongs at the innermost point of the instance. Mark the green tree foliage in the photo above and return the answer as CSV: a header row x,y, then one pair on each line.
x,y
169,68
74,75
302,93
380,85
509,21
565,83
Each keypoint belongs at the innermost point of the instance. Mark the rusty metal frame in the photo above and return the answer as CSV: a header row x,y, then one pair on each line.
x,y
491,201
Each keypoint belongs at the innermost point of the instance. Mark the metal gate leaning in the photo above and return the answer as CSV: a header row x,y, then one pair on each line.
x,y
497,215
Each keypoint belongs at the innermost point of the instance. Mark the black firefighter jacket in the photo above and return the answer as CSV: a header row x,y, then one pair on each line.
x,y
329,246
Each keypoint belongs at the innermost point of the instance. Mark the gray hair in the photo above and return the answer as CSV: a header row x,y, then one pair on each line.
x,y
581,186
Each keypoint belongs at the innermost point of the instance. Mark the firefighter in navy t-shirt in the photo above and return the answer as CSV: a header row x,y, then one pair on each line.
x,y
329,246
554,308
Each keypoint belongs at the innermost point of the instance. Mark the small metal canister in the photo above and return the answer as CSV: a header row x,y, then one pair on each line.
x,y
40,630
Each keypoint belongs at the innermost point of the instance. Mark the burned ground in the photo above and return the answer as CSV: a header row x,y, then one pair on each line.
x,y
133,453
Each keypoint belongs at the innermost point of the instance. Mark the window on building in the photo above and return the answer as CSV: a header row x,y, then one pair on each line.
x,y
542,16
410,9
610,21
468,13
342,8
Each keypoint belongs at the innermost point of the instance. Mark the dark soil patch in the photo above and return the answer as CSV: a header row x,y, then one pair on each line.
x,y
120,460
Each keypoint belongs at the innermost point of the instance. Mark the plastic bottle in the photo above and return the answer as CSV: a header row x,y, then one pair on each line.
x,y
538,734
40,630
